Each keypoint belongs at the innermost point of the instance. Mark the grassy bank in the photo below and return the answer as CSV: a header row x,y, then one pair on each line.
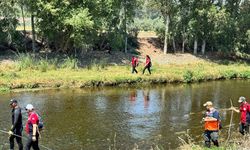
x,y
239,143
29,73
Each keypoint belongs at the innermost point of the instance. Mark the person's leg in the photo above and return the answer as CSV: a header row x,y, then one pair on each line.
x,y
11,139
214,137
29,143
135,71
144,70
35,144
207,138
19,140
247,128
149,70
242,128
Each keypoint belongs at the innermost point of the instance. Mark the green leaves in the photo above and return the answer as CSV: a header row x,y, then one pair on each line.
x,y
79,20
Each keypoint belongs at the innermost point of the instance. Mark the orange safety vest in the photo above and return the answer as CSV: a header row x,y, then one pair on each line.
x,y
212,125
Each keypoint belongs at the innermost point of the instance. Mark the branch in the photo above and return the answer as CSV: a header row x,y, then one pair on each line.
x,y
231,120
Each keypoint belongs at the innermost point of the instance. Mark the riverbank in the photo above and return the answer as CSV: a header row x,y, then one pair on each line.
x,y
237,142
29,73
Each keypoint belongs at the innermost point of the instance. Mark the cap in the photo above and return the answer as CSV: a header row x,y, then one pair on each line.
x,y
242,99
13,101
29,107
208,103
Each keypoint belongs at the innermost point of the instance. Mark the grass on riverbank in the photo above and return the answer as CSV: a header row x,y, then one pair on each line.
x,y
236,142
28,73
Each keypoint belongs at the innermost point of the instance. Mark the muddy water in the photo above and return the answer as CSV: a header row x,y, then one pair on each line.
x,y
124,118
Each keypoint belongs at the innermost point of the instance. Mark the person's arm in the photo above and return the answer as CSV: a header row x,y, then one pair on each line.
x,y
234,109
215,117
210,119
16,118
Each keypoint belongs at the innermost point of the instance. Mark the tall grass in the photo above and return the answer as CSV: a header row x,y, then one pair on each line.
x,y
70,63
98,64
25,61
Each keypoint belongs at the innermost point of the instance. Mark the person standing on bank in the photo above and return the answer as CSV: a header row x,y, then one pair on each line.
x,y
244,111
134,63
17,125
32,128
212,125
147,65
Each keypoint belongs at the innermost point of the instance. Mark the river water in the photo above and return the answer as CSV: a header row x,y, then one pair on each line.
x,y
125,118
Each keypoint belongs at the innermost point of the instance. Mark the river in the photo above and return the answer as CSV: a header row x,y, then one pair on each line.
x,y
125,118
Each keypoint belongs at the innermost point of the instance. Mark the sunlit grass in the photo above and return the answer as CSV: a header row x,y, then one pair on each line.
x,y
28,72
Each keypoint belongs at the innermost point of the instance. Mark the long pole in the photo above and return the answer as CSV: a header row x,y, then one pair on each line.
x,y
231,120
24,138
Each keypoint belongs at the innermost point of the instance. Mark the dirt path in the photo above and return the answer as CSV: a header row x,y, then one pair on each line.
x,y
153,48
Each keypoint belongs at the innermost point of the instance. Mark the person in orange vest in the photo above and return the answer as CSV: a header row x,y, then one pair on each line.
x,y
134,63
212,125
244,111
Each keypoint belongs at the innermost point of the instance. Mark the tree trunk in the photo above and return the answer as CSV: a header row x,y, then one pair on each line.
x,y
126,44
203,50
24,27
33,32
195,46
166,35
125,27
174,46
183,45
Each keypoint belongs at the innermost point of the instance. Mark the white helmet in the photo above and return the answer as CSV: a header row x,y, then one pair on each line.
x,y
29,107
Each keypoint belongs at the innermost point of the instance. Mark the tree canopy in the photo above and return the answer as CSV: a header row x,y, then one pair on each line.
x,y
197,26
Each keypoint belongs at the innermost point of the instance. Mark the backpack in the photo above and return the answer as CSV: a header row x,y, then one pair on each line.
x,y
40,124
248,114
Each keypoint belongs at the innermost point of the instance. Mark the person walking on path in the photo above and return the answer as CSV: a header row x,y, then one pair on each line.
x,y
32,128
147,65
17,125
134,63
212,125
244,111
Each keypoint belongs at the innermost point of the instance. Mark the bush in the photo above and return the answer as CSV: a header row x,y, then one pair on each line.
x,y
188,75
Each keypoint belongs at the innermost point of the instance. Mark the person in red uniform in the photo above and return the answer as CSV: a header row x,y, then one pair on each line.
x,y
147,65
134,63
32,128
212,125
244,111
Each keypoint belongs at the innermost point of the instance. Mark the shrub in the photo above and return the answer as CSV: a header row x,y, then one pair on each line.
x,y
188,75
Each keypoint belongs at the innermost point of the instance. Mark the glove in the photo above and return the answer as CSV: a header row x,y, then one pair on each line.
x,y
33,138
10,133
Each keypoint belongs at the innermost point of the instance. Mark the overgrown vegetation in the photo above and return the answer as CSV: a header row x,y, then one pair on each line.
x,y
239,143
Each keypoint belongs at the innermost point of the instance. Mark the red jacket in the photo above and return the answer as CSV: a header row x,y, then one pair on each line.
x,y
148,62
244,108
134,61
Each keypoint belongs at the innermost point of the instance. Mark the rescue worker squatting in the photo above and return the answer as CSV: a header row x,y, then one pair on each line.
x,y
212,125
